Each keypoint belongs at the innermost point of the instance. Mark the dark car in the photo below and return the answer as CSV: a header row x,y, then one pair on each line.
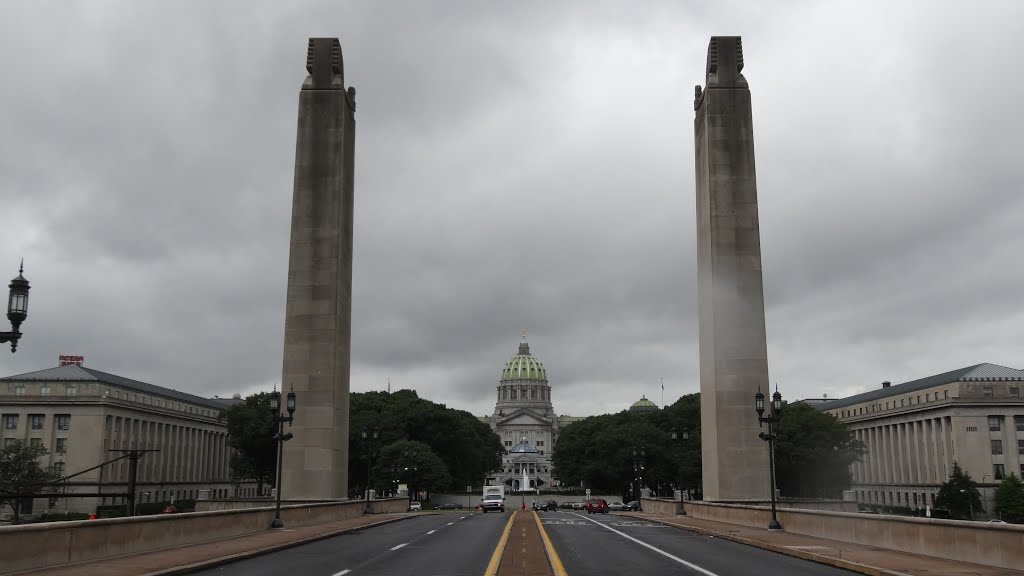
x,y
449,506
549,506
597,506
634,505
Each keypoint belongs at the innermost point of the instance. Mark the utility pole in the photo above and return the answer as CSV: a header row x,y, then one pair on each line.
x,y
133,456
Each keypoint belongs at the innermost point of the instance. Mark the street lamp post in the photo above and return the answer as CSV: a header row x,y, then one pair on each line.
x,y
17,308
970,502
369,444
773,418
680,437
639,460
281,437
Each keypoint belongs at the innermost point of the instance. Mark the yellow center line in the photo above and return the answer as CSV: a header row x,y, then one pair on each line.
x,y
492,566
556,563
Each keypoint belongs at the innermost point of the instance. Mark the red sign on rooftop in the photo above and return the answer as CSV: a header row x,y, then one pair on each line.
x,y
69,360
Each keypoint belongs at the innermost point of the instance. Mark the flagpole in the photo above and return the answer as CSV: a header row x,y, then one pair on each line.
x,y
662,392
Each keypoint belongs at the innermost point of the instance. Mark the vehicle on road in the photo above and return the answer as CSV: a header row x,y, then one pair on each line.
x,y
996,521
415,506
618,506
597,506
494,499
579,505
634,505
549,506
448,506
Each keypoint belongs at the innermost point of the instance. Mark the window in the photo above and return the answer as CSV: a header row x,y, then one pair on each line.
x,y
995,423
986,391
1014,391
997,446
63,421
1019,422
36,421
927,398
10,421
918,398
61,446
972,428
70,390
11,441
945,394
998,471
58,468
35,442
44,390
1020,446
19,390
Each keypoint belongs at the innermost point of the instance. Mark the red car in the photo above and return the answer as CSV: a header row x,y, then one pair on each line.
x,y
597,506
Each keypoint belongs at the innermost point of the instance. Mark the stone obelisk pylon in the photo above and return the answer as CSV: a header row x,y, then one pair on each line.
x,y
733,351
318,317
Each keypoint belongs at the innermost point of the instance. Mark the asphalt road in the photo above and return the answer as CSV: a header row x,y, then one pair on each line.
x,y
595,544
453,543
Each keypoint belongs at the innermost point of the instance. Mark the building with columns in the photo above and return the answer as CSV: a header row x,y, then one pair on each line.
x,y
84,416
914,431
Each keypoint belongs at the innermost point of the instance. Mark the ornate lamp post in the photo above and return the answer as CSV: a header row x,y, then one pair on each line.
x,y
281,438
679,438
17,308
370,438
773,417
639,460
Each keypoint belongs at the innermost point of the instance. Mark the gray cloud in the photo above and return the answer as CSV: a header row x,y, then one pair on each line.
x,y
519,165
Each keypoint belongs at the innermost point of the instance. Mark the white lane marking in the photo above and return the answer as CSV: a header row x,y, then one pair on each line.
x,y
399,546
450,523
432,531
342,573
646,545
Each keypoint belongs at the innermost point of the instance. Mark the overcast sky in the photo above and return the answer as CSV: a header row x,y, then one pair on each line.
x,y
519,165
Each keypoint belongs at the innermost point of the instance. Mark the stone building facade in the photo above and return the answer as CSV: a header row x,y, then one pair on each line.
x,y
915,431
83,416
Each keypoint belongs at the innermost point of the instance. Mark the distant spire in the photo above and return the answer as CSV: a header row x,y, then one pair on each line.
x,y
524,347
389,385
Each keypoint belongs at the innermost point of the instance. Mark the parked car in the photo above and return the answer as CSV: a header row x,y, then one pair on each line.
x,y
448,506
566,505
579,505
550,506
618,506
415,506
634,505
597,506
170,510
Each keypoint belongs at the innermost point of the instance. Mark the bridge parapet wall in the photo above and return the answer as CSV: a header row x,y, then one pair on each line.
x,y
1000,545
35,546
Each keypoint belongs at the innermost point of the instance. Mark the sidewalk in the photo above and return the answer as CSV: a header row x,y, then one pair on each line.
x,y
186,559
855,557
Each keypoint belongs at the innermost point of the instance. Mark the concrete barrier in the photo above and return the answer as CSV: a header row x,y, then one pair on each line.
x,y
661,505
999,545
34,546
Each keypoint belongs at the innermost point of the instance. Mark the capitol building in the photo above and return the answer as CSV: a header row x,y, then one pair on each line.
x,y
525,420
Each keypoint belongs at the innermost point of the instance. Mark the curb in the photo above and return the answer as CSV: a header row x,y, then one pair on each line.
x,y
194,567
802,554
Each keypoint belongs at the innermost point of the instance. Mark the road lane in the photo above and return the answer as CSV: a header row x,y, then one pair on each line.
x,y
613,544
422,545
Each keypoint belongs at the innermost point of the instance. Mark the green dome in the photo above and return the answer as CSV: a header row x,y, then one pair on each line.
x,y
523,366
643,405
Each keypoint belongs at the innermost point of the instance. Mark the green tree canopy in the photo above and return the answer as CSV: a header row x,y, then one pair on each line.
x,y
1010,499
251,428
813,453
412,463
20,473
959,495
467,447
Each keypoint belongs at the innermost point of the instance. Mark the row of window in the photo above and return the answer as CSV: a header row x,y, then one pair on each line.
x,y
61,446
907,401
517,394
69,390
997,447
37,421
72,390
995,423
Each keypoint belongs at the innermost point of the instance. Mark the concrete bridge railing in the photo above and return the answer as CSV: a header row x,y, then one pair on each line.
x,y
1000,545
34,546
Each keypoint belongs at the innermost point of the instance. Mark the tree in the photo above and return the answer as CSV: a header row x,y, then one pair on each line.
x,y
412,463
813,453
20,473
467,447
1010,499
959,495
251,428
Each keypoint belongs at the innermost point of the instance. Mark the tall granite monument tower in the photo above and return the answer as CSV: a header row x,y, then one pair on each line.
x,y
733,352
318,317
